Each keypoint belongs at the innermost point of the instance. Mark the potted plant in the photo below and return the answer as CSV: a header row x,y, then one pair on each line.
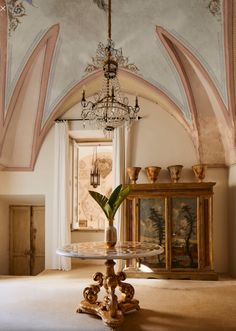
x,y
110,206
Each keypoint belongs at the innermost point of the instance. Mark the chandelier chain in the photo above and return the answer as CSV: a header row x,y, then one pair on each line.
x,y
109,19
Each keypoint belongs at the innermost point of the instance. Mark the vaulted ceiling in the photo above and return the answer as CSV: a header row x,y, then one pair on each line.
x,y
184,50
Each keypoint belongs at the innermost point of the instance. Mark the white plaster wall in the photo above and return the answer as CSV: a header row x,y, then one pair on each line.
x,y
38,182
232,220
157,139
220,218
4,235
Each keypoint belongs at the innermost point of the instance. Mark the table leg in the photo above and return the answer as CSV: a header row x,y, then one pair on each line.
x,y
110,309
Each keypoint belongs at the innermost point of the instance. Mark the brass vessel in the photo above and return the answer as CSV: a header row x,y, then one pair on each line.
x,y
199,171
152,173
175,172
133,173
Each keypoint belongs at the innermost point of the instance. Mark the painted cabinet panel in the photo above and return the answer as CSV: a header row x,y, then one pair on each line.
x,y
184,243
177,216
152,227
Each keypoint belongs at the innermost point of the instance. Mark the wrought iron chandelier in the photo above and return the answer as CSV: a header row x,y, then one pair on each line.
x,y
95,173
110,109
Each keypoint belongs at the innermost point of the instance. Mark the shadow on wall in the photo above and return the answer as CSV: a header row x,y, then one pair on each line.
x,y
232,232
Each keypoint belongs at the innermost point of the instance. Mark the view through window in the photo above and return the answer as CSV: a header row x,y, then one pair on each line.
x,y
86,212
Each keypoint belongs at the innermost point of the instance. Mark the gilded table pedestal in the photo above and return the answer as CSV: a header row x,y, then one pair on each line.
x,y
110,308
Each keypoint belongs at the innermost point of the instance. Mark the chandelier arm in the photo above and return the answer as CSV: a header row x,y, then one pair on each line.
x,y
110,99
88,104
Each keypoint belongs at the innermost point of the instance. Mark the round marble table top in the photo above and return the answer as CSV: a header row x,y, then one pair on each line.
x,y
98,250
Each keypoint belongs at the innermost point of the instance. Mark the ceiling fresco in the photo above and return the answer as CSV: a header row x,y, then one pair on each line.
x,y
177,54
83,24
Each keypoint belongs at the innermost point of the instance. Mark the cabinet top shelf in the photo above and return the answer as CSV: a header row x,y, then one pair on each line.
x,y
159,188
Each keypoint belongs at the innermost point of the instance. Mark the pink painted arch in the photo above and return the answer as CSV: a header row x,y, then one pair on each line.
x,y
131,84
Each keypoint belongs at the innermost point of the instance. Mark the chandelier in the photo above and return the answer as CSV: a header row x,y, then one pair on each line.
x,y
95,173
109,109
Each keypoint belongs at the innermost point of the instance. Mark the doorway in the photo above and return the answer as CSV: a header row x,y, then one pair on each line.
x,y
27,240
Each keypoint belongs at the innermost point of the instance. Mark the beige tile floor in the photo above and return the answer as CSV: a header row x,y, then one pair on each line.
x,y
49,302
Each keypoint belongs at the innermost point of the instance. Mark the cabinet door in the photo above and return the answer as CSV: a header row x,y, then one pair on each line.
x,y
153,228
184,238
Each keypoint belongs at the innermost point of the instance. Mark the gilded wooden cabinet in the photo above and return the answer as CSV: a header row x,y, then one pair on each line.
x,y
179,217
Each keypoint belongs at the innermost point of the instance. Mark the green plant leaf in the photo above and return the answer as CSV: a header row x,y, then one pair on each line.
x,y
120,198
101,200
114,195
108,211
110,206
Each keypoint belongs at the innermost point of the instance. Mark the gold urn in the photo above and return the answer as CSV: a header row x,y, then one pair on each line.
x,y
199,171
133,173
175,172
152,173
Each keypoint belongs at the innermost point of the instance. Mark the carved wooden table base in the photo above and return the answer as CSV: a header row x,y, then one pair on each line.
x,y
111,310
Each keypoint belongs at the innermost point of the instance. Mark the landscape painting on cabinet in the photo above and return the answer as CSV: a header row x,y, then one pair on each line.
x,y
184,233
152,227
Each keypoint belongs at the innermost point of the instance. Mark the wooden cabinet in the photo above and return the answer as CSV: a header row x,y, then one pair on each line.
x,y
179,217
